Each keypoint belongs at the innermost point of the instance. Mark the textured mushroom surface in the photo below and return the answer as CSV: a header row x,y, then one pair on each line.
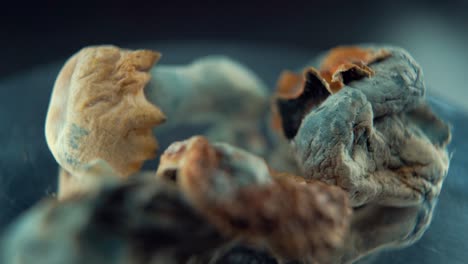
x,y
293,217
378,140
296,94
98,110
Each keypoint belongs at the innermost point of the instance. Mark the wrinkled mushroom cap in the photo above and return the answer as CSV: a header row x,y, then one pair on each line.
x,y
296,94
98,110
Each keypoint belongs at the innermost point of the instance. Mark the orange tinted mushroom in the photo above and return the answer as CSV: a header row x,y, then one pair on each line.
x,y
297,94
237,192
348,59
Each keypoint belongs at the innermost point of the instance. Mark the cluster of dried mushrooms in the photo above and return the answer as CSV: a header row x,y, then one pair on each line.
x,y
355,161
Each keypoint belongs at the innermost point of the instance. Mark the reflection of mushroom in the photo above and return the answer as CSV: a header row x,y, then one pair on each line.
x,y
98,110
376,227
377,140
293,217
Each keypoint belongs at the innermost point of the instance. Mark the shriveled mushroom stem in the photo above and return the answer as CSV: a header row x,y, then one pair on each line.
x,y
209,90
222,98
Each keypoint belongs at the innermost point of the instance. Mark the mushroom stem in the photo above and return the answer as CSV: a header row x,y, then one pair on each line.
x,y
214,96
209,90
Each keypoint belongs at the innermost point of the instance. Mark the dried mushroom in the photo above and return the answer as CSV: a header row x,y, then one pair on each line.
x,y
377,139
293,217
99,107
98,110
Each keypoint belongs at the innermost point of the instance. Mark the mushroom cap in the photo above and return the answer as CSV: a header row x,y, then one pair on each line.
x,y
98,110
375,138
297,93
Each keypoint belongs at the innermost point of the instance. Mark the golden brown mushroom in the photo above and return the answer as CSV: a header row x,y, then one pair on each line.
x,y
98,110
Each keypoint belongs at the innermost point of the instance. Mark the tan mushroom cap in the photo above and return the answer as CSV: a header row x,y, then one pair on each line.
x,y
98,110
